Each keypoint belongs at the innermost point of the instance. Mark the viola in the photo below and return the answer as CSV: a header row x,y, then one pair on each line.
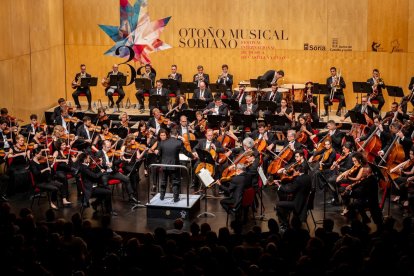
x,y
72,120
44,159
103,118
71,137
241,159
162,120
289,175
325,157
116,153
138,146
340,159
95,128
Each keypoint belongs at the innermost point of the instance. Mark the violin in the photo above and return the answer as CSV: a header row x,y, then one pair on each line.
x,y
95,128
103,118
289,175
116,153
162,120
241,159
72,120
44,159
340,159
71,137
347,173
138,146
325,158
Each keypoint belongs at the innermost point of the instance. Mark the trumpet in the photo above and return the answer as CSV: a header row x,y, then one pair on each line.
x,y
146,75
171,76
222,76
200,77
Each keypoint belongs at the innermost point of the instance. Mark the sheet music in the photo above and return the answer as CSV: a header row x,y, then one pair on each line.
x,y
184,157
205,177
262,175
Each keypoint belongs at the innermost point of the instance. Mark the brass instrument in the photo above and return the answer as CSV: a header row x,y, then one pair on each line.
x,y
105,82
200,77
146,75
222,76
171,76
76,83
335,85
377,81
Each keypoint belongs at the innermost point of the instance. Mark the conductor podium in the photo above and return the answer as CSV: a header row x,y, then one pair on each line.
x,y
186,208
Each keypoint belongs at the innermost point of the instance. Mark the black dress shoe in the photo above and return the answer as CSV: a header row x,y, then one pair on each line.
x,y
162,195
111,105
176,198
324,114
338,113
334,202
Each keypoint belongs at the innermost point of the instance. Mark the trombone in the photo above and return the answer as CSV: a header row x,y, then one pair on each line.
x,y
336,84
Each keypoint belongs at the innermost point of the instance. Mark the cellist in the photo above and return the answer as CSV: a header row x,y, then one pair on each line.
x,y
406,174
291,143
365,107
333,134
396,131
213,147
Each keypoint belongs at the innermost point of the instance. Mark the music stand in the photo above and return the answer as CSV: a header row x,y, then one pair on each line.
x,y
187,87
304,107
243,120
170,84
117,80
215,120
205,157
259,83
395,91
357,117
158,101
218,88
197,104
267,105
231,103
92,81
320,89
143,84
361,87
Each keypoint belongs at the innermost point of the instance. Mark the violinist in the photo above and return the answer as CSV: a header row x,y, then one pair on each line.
x,y
19,155
158,90
98,140
103,118
353,177
152,144
112,172
207,144
326,157
406,174
64,164
5,141
89,177
142,134
84,133
290,169
69,123
79,89
12,122
304,131
365,107
199,126
217,107
43,177
157,121
299,189
30,130
148,74
340,165
332,134
57,110
132,154
183,127
377,84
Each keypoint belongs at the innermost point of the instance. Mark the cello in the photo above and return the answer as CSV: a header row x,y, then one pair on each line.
x,y
282,158
227,142
241,159
371,146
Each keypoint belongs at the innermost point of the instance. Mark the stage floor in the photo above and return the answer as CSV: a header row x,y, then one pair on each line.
x,y
135,219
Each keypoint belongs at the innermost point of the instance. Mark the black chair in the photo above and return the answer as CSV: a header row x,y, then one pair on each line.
x,y
40,188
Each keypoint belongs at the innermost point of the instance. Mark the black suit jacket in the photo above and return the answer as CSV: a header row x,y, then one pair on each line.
x,y
236,95
270,137
243,108
268,76
78,75
370,110
223,109
178,77
151,123
370,81
169,151
342,85
206,79
276,97
228,82
202,145
164,92
207,94
88,179
81,132
300,187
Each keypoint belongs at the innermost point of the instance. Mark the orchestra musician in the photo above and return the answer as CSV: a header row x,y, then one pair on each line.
x,y
248,108
175,75
304,128
148,74
157,121
312,101
169,151
410,96
178,106
380,131
31,130
64,164
202,93
240,96
201,77
284,111
298,189
112,171
6,142
123,125
396,114
103,194
291,143
160,91
333,133
326,157
110,90
217,107
199,125
336,84
98,140
406,174
103,118
274,77
85,135
365,107
262,135
245,176
405,141
183,129
377,84
274,95
43,178
67,122
56,111
79,89
226,79
342,164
